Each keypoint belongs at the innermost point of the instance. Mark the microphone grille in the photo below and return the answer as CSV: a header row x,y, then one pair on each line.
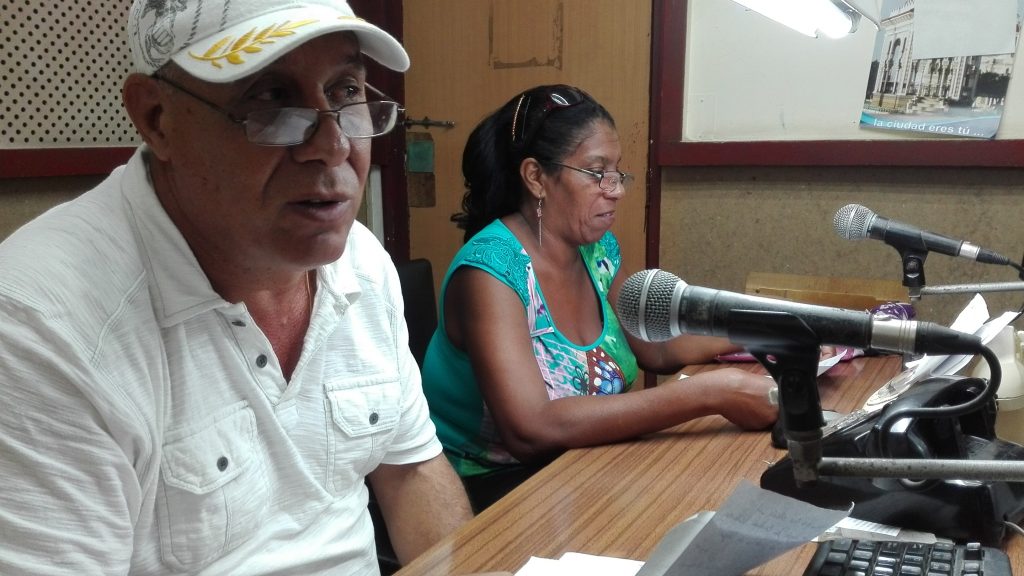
x,y
628,305
645,304
852,222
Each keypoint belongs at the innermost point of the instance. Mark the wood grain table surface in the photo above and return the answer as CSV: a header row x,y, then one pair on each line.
x,y
619,500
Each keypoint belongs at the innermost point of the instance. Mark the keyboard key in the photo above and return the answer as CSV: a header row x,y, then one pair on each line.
x,y
848,557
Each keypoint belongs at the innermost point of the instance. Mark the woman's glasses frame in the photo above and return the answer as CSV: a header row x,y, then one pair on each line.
x,y
607,180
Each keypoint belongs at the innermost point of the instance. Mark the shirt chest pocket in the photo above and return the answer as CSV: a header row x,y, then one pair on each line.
x,y
213,489
365,416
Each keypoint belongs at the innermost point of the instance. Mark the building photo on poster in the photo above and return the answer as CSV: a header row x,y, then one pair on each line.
x,y
942,67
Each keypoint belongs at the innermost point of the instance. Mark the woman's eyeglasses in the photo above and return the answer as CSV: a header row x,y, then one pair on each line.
x,y
533,108
291,126
607,180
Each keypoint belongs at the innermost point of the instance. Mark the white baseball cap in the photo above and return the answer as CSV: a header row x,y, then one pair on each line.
x,y
224,40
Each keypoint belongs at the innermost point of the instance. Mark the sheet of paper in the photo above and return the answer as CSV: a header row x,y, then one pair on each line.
x,y
537,566
590,565
823,365
946,28
864,526
973,319
987,331
970,319
751,527
578,564
850,527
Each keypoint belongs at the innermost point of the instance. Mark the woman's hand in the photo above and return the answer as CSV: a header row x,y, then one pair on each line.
x,y
740,396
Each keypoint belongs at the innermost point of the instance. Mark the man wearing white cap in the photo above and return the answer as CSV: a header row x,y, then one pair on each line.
x,y
203,358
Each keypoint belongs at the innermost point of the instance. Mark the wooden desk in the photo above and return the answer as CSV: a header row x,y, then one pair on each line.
x,y
619,500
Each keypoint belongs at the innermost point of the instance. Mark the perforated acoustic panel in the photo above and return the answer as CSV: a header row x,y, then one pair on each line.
x,y
62,63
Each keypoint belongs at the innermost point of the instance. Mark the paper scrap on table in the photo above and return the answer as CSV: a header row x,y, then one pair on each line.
x,y
751,527
823,366
577,564
842,353
537,566
857,529
973,319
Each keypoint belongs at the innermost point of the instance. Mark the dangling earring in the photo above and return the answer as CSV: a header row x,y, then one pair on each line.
x,y
540,214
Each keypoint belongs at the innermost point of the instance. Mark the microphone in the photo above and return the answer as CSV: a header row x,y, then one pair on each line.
x,y
655,306
855,222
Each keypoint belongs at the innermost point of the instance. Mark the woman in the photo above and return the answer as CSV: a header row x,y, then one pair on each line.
x,y
529,359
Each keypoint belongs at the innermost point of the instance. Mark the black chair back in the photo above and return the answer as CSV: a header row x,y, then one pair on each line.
x,y
417,280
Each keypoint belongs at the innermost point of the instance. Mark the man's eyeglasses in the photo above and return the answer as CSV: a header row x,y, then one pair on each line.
x,y
291,126
533,108
607,180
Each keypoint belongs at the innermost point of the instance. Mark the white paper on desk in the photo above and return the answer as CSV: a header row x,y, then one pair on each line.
x,y
973,319
823,366
751,527
577,564
590,565
850,527
537,566
988,331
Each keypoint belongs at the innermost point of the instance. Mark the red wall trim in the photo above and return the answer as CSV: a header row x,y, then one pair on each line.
x,y
34,163
981,153
665,120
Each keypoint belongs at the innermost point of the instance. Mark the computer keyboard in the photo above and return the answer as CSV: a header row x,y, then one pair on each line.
x,y
846,557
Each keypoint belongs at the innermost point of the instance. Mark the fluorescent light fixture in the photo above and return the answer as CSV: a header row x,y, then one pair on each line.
x,y
833,18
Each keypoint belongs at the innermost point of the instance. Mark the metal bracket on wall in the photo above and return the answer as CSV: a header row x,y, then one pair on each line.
x,y
426,122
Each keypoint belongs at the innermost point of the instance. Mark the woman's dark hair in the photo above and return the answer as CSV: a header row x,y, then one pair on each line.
x,y
546,123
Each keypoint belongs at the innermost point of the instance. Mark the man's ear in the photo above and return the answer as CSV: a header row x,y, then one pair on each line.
x,y
532,174
144,103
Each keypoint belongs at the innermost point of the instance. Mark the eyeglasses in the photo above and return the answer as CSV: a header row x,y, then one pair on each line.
x,y
291,125
607,180
532,109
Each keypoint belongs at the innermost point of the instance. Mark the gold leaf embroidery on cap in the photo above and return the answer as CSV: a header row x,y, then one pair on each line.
x,y
248,43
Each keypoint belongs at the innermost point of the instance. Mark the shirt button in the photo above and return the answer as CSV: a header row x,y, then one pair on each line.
x,y
261,360
238,323
374,417
222,463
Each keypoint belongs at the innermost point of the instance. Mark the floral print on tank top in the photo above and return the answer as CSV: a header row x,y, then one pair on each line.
x,y
605,366
571,370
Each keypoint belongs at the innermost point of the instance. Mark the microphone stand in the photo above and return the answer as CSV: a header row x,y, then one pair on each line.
x,y
913,279
923,469
913,269
789,350
931,468
917,292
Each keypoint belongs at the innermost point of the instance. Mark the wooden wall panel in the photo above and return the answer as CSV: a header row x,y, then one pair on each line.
x,y
471,56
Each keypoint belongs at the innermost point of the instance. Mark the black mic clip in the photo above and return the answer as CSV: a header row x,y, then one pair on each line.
x,y
789,350
913,270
